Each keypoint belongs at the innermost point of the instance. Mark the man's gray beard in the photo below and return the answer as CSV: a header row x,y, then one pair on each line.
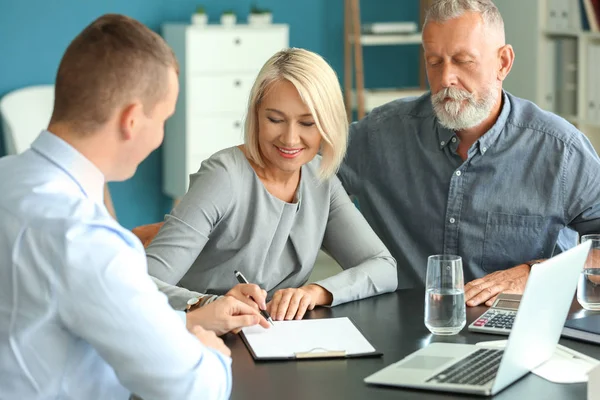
x,y
455,115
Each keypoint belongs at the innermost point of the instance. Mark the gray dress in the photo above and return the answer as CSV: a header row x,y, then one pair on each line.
x,y
229,221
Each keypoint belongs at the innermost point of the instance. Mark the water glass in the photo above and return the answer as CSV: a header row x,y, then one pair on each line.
x,y
445,312
588,289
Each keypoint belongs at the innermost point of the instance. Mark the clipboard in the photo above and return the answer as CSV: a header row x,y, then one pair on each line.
x,y
310,339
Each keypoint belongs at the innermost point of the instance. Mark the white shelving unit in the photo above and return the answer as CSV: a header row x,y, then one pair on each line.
x,y
218,66
534,74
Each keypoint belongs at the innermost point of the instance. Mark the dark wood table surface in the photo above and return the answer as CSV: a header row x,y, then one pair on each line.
x,y
393,323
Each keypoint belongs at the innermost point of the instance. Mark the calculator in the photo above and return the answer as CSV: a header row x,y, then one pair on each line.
x,y
499,318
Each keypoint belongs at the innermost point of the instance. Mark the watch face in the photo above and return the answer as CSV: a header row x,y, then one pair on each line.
x,y
193,301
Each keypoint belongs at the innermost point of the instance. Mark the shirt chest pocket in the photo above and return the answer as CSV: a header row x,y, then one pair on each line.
x,y
511,239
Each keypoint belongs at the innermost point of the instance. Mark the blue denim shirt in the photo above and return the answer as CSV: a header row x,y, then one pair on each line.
x,y
525,180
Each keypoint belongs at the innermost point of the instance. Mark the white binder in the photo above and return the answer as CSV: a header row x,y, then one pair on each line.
x,y
562,14
591,75
551,16
566,77
550,88
595,71
575,16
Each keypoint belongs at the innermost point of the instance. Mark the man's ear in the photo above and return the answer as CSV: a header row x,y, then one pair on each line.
x,y
506,56
129,120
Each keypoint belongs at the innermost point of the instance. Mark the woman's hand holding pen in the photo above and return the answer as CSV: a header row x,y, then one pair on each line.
x,y
293,303
286,304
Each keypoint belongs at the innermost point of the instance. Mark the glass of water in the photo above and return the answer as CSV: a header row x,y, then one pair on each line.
x,y
588,289
445,312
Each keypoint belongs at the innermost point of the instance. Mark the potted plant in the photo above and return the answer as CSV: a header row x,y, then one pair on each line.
x,y
228,18
199,17
259,16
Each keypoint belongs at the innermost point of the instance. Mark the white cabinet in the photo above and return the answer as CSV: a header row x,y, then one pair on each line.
x,y
218,66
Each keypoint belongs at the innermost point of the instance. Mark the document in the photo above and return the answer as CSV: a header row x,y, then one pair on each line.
x,y
309,338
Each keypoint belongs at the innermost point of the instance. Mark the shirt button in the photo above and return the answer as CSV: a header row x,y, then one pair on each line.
x,y
442,143
452,220
484,149
458,173
453,140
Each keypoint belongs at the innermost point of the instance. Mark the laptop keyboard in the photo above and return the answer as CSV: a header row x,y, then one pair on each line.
x,y
477,369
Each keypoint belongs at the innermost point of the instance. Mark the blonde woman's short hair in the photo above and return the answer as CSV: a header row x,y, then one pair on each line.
x,y
319,89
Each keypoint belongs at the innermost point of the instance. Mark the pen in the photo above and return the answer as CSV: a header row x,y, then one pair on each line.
x,y
242,279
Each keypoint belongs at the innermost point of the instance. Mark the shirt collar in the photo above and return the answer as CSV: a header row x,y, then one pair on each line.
x,y
445,135
490,137
87,176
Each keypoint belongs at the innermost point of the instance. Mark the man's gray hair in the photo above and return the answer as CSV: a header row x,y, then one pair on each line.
x,y
444,10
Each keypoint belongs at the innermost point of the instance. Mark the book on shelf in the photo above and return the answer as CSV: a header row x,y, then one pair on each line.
x,y
573,15
593,84
590,15
566,76
561,74
558,18
389,28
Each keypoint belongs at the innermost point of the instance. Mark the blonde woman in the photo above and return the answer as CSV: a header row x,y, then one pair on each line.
x,y
266,207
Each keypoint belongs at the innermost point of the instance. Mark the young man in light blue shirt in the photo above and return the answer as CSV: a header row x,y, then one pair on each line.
x,y
469,169
79,316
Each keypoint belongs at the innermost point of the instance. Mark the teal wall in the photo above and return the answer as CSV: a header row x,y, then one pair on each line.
x,y
35,33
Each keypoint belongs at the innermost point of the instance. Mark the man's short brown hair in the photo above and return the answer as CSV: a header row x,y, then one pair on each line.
x,y
113,61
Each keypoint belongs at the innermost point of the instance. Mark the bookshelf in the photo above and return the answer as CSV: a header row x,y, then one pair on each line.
x,y
557,61
357,97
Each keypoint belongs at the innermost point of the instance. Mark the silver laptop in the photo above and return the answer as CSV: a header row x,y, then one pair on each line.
x,y
464,368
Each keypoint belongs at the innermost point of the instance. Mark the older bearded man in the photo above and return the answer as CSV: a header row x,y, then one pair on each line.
x,y
470,169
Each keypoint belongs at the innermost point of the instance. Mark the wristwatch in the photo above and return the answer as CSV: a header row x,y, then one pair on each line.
x,y
192,304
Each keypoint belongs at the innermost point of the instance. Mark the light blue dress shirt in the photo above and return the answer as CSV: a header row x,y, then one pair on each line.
x,y
79,316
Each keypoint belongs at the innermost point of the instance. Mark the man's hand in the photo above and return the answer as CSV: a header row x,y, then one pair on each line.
x,y
593,262
293,303
210,339
486,289
250,294
224,315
